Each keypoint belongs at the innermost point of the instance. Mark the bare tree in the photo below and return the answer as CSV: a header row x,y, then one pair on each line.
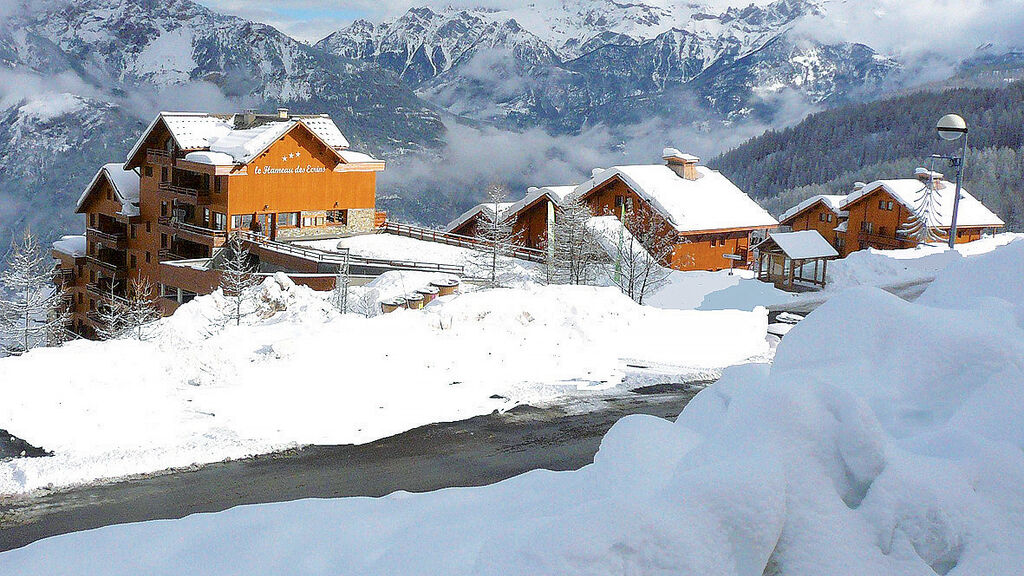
x,y
112,313
640,250
141,309
577,251
238,279
495,231
368,303
34,309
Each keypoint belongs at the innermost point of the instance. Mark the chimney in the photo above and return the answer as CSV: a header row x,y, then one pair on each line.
x,y
858,186
928,176
282,113
249,118
684,165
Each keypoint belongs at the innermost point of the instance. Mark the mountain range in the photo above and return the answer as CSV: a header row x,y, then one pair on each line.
x,y
79,79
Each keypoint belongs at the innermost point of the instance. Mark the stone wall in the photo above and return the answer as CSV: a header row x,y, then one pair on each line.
x,y
360,221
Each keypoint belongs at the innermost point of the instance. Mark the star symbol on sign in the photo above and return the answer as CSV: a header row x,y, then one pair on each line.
x,y
284,158
297,154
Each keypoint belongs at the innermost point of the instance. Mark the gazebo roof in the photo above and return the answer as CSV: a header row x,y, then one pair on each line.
x,y
802,245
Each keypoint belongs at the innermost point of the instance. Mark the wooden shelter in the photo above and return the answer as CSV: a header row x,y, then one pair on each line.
x,y
794,259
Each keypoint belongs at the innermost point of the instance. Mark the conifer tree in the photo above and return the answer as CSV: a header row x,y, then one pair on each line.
x,y
34,310
577,254
496,235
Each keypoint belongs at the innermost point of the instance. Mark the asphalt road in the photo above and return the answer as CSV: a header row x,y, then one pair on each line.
x,y
473,452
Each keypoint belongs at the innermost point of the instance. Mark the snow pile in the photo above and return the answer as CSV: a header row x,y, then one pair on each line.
x,y
894,267
302,374
699,290
896,449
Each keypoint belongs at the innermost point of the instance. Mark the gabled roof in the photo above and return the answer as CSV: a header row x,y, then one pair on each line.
x,y
474,211
221,133
125,184
830,201
909,192
801,245
711,202
553,193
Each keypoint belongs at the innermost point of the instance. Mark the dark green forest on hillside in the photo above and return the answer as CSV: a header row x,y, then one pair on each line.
x,y
827,152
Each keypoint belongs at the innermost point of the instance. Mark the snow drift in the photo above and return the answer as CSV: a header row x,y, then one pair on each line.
x,y
885,439
305,375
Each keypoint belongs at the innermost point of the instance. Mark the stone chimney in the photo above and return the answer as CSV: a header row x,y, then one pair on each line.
x,y
684,165
928,177
282,113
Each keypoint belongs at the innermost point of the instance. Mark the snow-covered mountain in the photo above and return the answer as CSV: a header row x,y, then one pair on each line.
x,y
79,79
591,61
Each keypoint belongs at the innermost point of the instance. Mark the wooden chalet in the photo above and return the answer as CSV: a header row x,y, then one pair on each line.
x,y
708,220
880,214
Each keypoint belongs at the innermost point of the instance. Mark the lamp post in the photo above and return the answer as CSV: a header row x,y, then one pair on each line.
x,y
951,127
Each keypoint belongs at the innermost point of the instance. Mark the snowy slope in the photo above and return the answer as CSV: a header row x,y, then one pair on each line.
x,y
886,455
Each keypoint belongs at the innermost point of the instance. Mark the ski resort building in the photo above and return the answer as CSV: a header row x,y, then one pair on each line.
x,y
893,214
530,217
192,180
706,218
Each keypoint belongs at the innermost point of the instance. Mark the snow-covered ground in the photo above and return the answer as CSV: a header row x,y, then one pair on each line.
x,y
886,438
307,375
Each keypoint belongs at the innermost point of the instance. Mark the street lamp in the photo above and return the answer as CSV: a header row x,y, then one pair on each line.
x,y
952,127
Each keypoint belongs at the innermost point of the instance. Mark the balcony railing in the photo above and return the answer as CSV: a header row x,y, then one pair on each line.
x,y
157,156
114,270
185,193
104,292
115,240
883,240
193,233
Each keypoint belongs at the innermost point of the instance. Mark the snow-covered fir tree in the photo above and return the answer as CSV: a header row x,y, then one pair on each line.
x,y
238,280
33,309
637,268
924,218
577,254
496,235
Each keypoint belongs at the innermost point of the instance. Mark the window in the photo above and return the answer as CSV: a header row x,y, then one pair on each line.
x,y
220,221
148,229
829,218
629,204
206,216
888,205
881,204
307,221
618,201
92,276
163,240
821,217
92,304
866,226
147,258
288,219
92,220
132,229
337,217
163,208
163,174
216,184
241,222
149,171
135,263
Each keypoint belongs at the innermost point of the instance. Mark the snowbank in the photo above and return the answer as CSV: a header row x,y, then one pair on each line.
x,y
896,448
894,267
307,375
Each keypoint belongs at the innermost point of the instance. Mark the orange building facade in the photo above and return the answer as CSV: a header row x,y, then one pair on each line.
x,y
194,179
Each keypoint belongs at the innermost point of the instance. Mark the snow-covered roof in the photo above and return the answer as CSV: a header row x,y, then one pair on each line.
x,y
711,202
555,193
211,158
472,213
831,201
802,245
909,192
351,157
74,246
218,133
125,184
842,227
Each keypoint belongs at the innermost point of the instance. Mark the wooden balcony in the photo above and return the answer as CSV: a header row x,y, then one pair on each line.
x,y
104,293
883,241
185,194
115,270
192,233
115,240
159,157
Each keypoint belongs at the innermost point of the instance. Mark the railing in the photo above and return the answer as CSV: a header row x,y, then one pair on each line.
x,y
101,292
301,251
111,239
158,156
194,194
168,254
890,241
116,269
192,228
419,233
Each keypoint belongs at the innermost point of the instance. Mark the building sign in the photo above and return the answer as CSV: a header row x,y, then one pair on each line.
x,y
264,170
735,257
